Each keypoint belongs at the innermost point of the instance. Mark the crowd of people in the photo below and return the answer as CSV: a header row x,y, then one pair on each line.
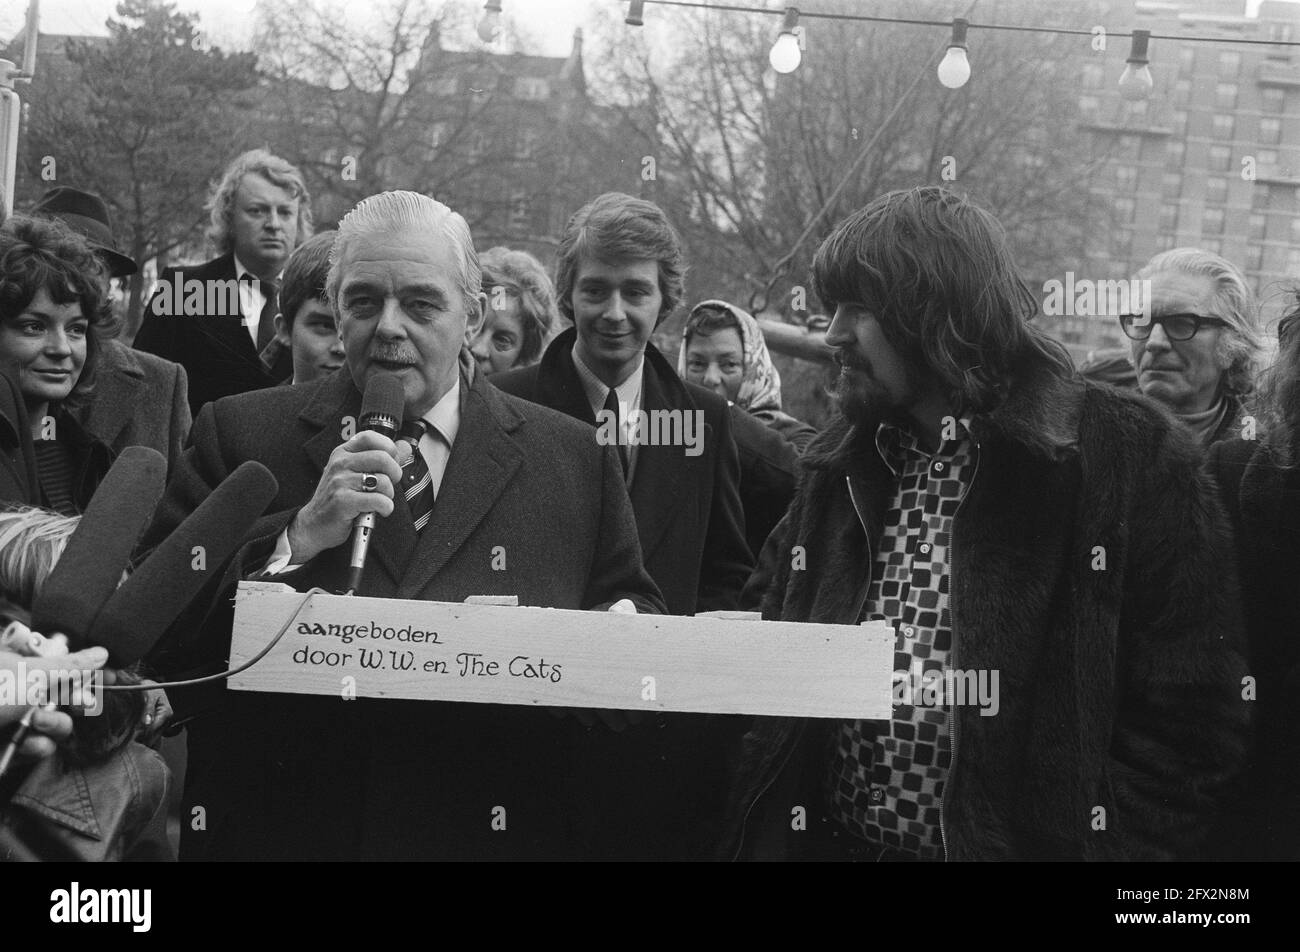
x,y
1118,553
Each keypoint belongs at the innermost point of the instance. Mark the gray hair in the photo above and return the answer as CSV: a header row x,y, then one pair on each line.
x,y
407,211
279,172
1241,346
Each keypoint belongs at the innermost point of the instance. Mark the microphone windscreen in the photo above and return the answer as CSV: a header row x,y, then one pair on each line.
x,y
139,612
88,571
383,401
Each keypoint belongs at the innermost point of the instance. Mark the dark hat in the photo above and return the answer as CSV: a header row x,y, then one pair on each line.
x,y
86,213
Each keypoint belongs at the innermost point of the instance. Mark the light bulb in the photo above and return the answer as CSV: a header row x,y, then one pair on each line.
x,y
954,71
489,26
786,56
1136,83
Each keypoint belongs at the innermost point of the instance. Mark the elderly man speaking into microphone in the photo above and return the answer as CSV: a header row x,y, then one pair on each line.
x,y
276,776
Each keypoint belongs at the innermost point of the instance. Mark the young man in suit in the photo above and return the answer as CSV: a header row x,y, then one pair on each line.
x,y
260,212
282,776
140,399
619,275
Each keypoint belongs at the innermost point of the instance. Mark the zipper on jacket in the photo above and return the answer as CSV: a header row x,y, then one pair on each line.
x,y
955,732
857,615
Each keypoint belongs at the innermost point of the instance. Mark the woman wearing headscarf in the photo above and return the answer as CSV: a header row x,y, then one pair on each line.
x,y
723,351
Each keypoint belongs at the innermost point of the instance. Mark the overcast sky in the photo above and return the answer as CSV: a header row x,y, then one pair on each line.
x,y
228,22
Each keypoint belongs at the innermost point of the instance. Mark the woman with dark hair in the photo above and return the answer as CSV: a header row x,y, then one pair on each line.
x,y
521,311
1260,483
54,312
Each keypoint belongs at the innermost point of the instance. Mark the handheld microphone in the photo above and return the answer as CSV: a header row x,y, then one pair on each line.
x,y
382,407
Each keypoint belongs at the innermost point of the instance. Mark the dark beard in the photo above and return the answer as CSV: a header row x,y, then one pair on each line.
x,y
864,405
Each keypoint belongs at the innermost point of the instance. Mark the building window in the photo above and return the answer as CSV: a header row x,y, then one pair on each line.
x,y
1130,146
1270,131
1169,218
1176,150
1186,60
1124,210
1220,158
1225,96
1229,64
1259,196
1094,76
1224,126
1258,226
1171,187
1182,92
1088,105
1273,99
527,141
1137,110
1212,221
1180,121
532,88
1216,191
1126,176
1213,245
1293,263
1256,260
1266,158
520,211
1167,242
1295,232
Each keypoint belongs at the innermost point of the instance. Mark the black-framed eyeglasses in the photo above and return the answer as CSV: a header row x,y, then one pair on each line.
x,y
1177,326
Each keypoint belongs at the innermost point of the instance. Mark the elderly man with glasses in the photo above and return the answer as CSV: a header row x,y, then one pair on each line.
x,y
1197,348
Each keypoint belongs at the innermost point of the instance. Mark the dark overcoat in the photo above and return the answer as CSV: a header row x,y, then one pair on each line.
x,y
1262,495
297,777
216,350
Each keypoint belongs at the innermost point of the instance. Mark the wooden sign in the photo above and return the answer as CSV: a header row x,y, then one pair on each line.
x,y
503,654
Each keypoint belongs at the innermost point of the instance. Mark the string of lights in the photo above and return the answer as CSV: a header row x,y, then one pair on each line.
x,y
954,71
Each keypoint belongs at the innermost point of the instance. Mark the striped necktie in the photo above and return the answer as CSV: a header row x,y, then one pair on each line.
x,y
417,484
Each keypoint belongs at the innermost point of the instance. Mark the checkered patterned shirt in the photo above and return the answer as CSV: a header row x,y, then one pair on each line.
x,y
886,779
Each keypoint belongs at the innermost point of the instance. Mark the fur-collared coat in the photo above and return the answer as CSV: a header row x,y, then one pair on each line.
x,y
1120,687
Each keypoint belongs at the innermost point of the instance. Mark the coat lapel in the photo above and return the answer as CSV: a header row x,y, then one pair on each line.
x,y
394,538
120,379
558,386
483,461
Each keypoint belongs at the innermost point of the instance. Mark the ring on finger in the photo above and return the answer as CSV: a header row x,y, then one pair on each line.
x,y
369,483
